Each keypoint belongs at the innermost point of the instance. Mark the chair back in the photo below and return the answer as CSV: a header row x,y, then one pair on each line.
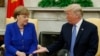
x,y
96,21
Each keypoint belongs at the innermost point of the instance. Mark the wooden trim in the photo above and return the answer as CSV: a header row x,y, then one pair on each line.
x,y
2,3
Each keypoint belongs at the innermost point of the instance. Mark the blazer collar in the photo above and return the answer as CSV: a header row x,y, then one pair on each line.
x,y
18,30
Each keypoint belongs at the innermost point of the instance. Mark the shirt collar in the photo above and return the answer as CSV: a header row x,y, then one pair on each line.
x,y
79,23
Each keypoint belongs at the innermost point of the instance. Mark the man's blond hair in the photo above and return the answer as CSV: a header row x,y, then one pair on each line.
x,y
75,8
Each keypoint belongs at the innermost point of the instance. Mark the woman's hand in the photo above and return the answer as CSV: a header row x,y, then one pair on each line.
x,y
30,54
18,53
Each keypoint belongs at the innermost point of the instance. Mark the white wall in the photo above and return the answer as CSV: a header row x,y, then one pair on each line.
x,y
31,3
96,3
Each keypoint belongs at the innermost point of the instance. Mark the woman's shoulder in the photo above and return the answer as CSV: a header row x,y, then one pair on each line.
x,y
30,24
10,24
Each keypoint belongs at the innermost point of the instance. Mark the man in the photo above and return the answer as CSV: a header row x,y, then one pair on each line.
x,y
79,36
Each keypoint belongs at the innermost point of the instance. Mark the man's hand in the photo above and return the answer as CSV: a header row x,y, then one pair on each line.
x,y
18,53
41,50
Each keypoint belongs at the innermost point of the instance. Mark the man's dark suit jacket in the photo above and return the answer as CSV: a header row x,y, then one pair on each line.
x,y
86,42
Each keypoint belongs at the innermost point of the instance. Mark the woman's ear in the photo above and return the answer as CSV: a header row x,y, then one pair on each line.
x,y
17,17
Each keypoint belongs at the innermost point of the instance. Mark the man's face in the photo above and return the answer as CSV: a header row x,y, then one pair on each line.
x,y
71,17
23,19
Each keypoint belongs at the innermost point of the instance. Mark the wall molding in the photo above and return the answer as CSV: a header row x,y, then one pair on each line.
x,y
91,9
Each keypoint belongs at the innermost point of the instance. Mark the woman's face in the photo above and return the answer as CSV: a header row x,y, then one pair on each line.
x,y
22,19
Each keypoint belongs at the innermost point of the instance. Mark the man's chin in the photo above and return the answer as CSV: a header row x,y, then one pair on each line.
x,y
70,23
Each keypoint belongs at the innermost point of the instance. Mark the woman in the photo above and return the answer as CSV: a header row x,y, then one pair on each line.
x,y
20,36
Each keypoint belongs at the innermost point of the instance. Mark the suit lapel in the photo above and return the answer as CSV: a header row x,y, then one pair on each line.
x,y
80,32
18,30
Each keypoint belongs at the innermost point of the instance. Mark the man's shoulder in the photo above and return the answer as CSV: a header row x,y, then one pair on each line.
x,y
67,24
89,24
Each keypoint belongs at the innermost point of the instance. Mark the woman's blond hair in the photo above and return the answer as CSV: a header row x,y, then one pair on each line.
x,y
20,10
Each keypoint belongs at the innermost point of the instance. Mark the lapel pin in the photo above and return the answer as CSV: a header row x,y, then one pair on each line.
x,y
82,29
